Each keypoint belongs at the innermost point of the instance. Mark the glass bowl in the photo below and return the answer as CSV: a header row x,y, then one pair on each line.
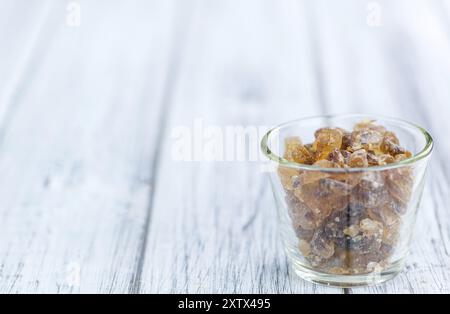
x,y
347,226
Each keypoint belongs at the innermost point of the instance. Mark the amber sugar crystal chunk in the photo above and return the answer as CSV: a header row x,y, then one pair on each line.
x,y
297,152
347,222
327,140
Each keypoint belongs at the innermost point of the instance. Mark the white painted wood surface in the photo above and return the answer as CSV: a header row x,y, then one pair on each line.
x,y
90,197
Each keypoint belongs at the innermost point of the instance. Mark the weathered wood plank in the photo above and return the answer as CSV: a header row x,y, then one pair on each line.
x,y
93,200
418,78
24,34
390,70
214,226
77,151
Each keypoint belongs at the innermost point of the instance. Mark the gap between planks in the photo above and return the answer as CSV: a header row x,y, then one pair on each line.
x,y
178,44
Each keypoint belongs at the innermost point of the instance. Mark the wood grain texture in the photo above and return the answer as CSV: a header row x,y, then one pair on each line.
x,y
77,148
214,226
92,199
382,78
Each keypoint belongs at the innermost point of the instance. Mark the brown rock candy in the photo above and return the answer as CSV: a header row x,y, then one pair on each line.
x,y
288,177
295,151
327,139
337,157
308,177
358,159
347,222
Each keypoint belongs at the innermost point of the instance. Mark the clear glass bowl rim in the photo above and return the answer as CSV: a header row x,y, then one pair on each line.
x,y
425,152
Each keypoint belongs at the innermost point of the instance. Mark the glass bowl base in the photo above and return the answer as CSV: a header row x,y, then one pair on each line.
x,y
348,281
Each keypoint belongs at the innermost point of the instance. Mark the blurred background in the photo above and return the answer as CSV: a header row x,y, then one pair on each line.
x,y
91,198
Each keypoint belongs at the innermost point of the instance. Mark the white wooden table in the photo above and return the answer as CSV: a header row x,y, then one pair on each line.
x,y
91,199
